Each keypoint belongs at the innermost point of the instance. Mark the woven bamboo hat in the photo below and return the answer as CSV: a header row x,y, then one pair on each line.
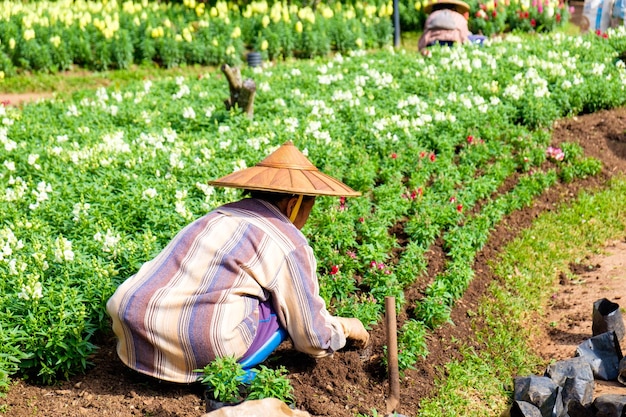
x,y
286,170
457,5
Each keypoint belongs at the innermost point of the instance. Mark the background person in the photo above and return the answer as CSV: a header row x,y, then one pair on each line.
x,y
235,282
446,24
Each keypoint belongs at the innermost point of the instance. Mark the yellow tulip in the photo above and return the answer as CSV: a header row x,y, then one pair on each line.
x,y
56,41
298,27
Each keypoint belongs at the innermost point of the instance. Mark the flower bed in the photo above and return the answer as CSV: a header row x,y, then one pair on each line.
x,y
52,36
93,187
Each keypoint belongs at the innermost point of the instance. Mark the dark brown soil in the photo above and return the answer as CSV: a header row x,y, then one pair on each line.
x,y
344,385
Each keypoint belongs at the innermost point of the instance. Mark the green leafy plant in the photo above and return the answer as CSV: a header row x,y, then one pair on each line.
x,y
223,379
271,383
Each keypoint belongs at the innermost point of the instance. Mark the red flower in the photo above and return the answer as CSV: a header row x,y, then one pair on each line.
x,y
394,155
432,157
494,14
459,208
558,18
533,23
453,199
470,139
361,220
422,154
334,270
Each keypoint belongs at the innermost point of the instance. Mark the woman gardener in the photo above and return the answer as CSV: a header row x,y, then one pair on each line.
x,y
235,282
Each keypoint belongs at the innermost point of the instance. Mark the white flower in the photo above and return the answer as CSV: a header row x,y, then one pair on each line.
x,y
183,91
189,113
32,160
176,161
41,193
291,124
169,134
115,143
29,292
63,250
109,241
72,111
208,112
149,193
207,189
80,209
239,165
9,165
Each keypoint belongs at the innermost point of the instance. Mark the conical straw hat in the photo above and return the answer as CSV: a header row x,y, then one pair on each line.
x,y
458,5
286,170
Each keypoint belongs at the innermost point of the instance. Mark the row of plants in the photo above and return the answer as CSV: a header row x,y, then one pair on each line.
x,y
92,187
57,35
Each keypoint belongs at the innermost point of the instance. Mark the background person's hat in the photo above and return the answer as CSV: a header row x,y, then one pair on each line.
x,y
457,5
286,170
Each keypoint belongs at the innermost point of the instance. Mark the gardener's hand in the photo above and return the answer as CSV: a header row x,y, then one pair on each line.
x,y
353,330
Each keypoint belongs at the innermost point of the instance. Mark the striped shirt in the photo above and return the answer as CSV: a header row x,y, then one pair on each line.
x,y
198,299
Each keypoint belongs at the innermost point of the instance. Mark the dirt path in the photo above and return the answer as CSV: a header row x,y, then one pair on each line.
x,y
17,99
568,319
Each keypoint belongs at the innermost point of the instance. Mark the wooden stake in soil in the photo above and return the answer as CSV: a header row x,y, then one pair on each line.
x,y
242,92
392,355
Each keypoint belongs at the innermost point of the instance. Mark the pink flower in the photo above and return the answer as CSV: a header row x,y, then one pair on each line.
x,y
555,154
351,254
453,199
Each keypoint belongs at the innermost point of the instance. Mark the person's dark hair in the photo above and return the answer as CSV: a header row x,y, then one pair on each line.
x,y
272,197
444,6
